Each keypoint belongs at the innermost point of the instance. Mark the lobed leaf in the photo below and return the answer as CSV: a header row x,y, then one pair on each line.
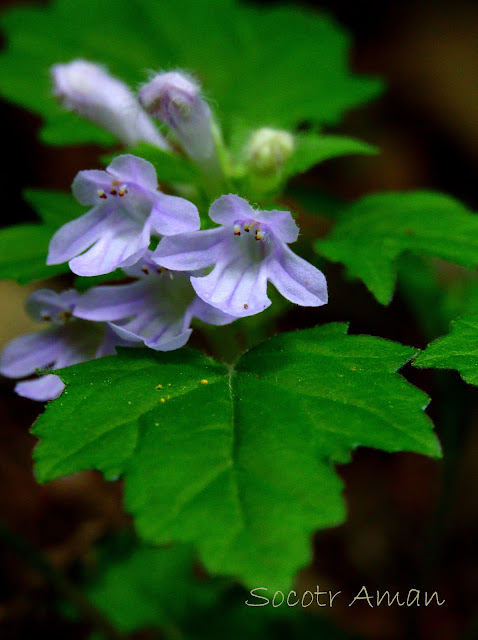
x,y
372,233
457,350
238,461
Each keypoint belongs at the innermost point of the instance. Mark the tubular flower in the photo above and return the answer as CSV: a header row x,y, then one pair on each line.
x,y
65,342
175,99
156,310
91,92
246,251
127,210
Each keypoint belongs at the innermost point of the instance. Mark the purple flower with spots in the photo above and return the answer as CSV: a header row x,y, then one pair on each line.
x,y
65,342
156,310
246,251
127,210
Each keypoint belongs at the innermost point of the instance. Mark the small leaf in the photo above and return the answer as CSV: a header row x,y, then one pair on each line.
x,y
313,148
373,232
237,461
457,350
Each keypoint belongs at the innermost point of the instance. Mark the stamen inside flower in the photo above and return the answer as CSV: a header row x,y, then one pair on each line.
x,y
237,230
101,193
65,315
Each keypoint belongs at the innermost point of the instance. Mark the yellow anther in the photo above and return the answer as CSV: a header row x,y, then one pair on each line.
x,y
163,400
204,382
159,386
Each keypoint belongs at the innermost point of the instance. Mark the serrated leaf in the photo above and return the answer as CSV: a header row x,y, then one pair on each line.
x,y
24,247
372,233
150,588
245,57
241,465
311,149
457,350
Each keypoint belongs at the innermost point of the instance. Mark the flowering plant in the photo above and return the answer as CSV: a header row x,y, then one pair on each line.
x,y
227,446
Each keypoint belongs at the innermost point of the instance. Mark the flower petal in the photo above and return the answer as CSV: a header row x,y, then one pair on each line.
x,y
296,279
86,185
281,223
172,215
111,303
190,251
130,168
23,355
227,209
76,236
120,246
41,389
236,285
210,315
46,302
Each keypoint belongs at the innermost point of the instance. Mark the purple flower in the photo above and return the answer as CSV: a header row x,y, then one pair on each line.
x,y
156,310
247,250
127,210
66,342
175,99
89,90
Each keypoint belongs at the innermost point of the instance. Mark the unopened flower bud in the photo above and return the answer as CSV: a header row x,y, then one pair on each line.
x,y
175,99
91,92
269,149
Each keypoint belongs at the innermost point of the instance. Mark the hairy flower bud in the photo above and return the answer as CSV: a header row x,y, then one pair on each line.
x,y
175,99
269,149
91,92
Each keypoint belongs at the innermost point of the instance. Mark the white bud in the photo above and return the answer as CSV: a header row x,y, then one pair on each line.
x,y
269,149
175,99
91,92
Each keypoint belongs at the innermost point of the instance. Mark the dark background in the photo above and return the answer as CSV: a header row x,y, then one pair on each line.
x,y
412,521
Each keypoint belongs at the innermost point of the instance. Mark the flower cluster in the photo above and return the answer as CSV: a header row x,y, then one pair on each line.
x,y
216,275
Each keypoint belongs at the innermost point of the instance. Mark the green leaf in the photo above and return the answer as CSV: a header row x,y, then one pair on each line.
x,y
55,208
23,251
373,232
457,350
241,466
312,148
24,247
150,588
265,67
170,167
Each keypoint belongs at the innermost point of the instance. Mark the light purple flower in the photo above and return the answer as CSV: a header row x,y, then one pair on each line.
x,y
127,210
90,91
156,310
66,342
175,99
247,250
